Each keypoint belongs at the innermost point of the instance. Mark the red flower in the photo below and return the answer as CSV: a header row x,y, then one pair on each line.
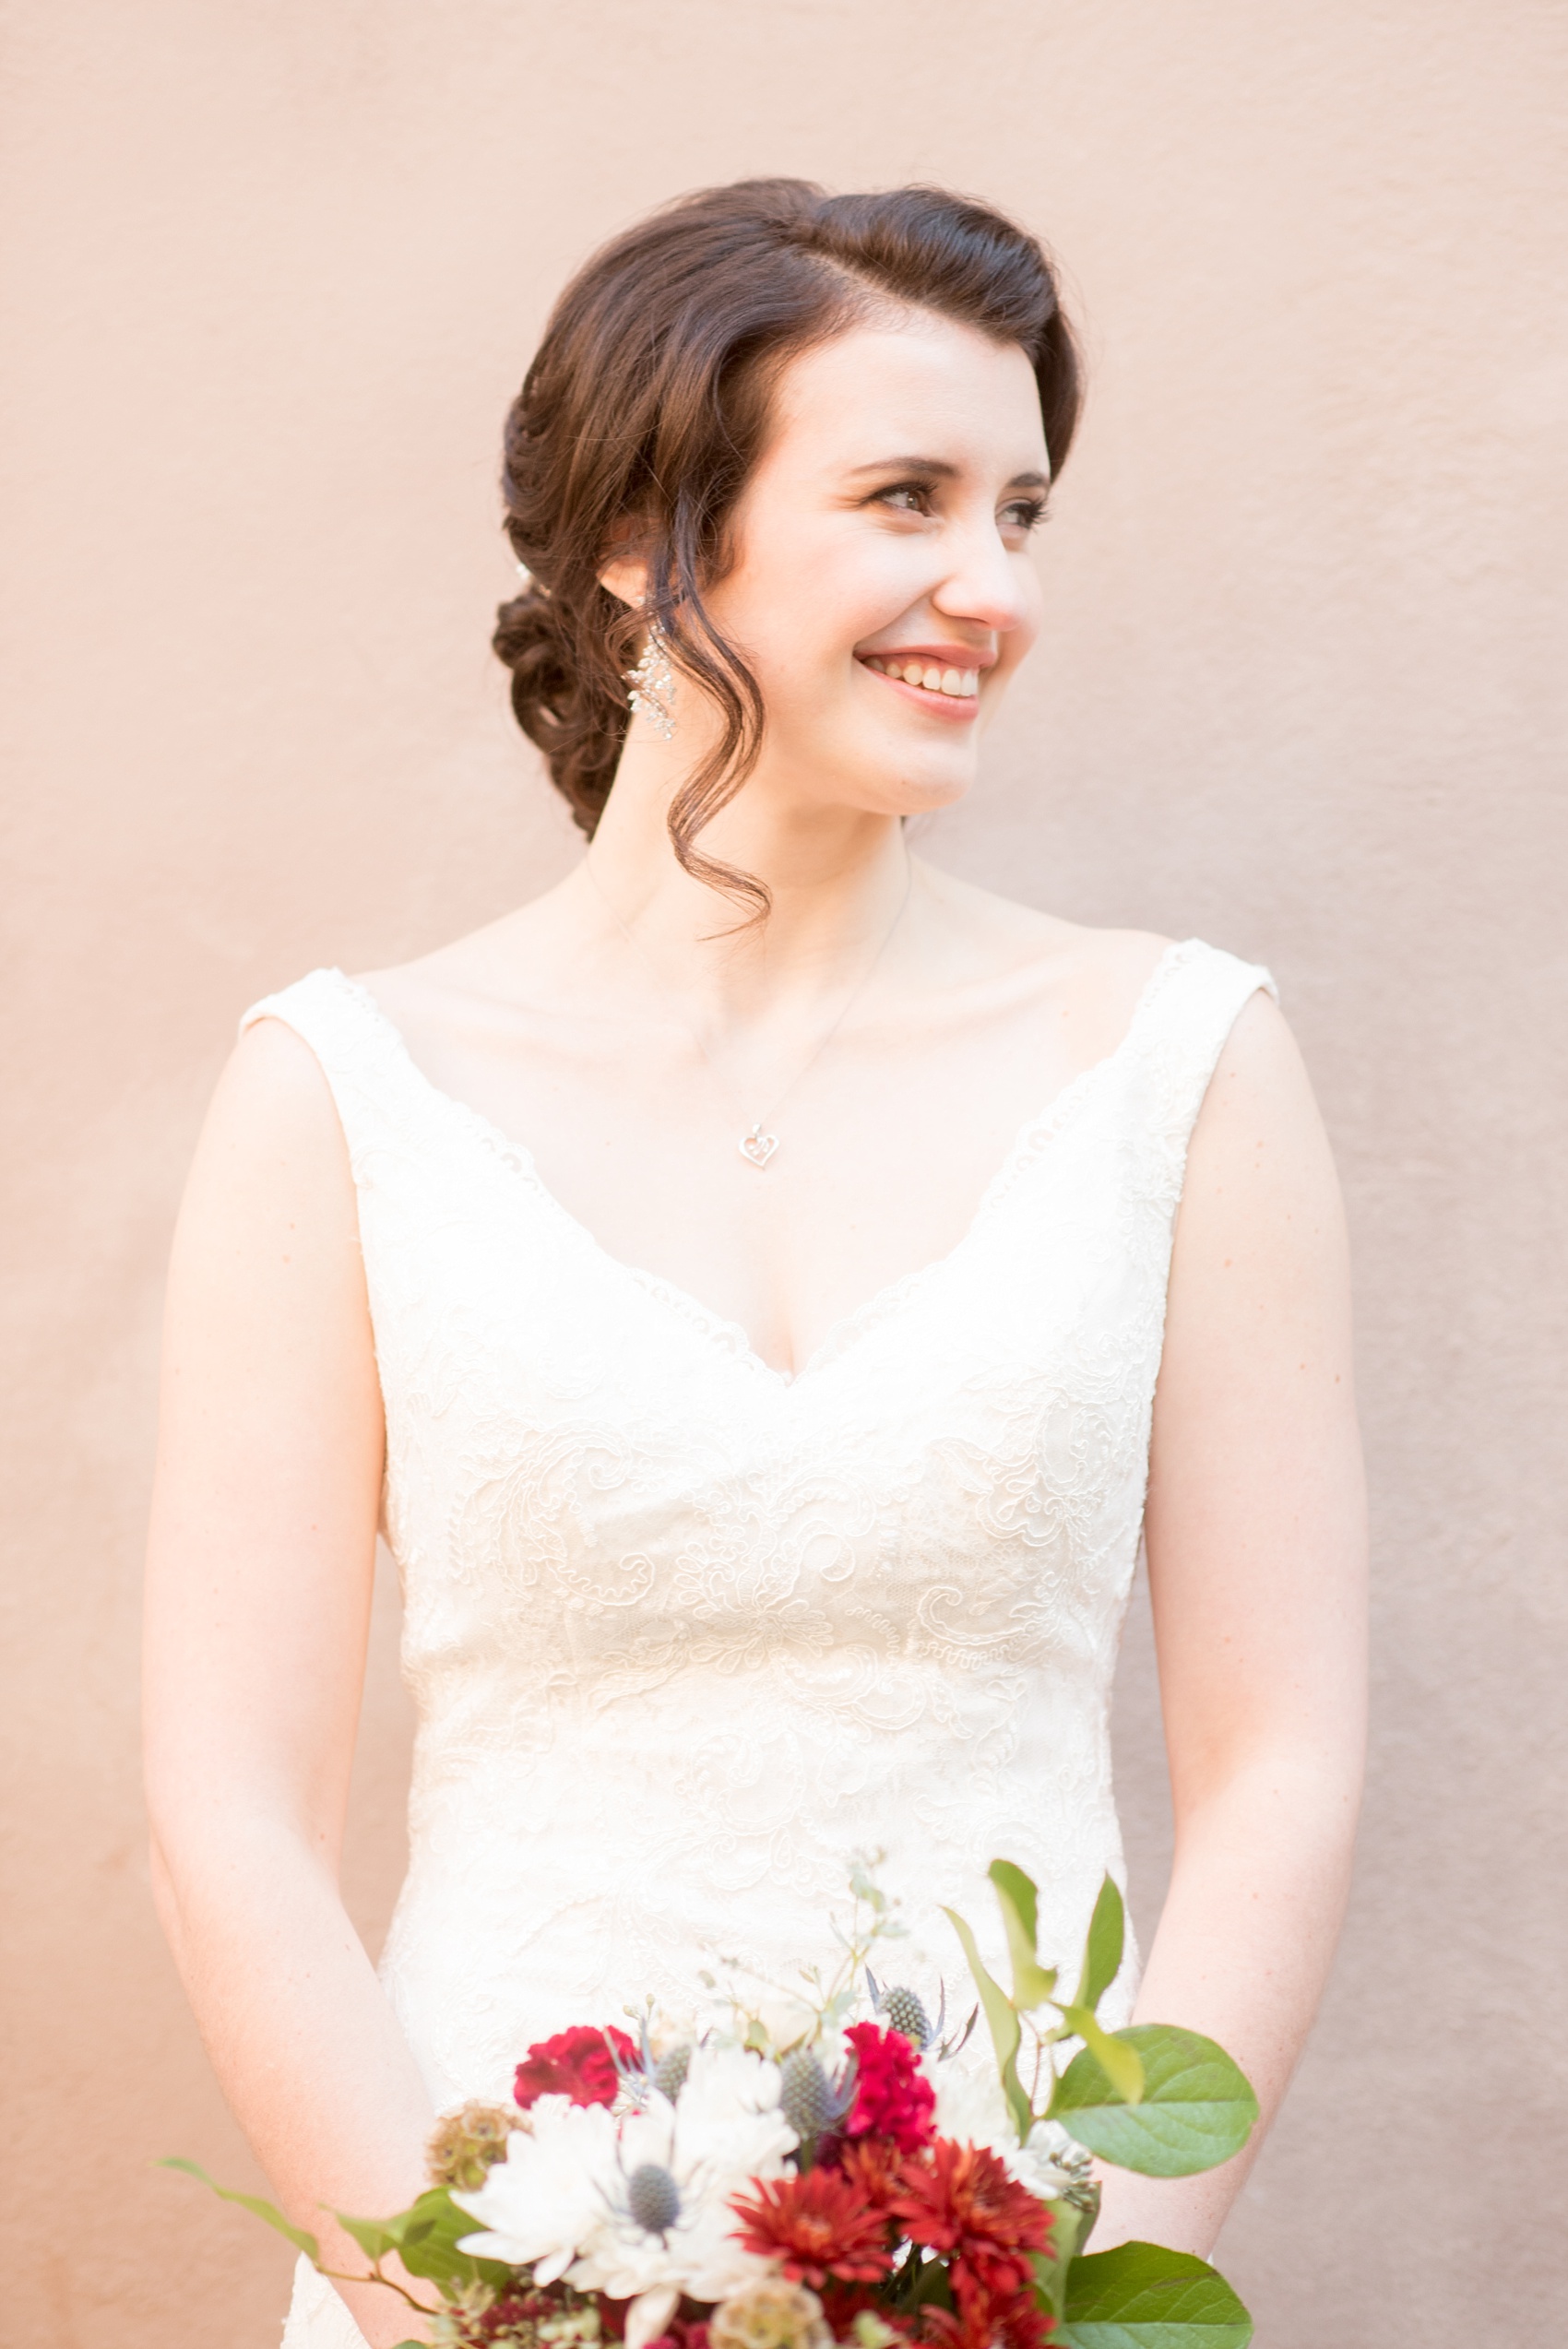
x,y
511,2318
1015,2322
893,2097
876,2165
816,2226
579,2063
960,2201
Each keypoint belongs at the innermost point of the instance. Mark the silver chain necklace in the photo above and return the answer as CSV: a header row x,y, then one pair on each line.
x,y
756,1146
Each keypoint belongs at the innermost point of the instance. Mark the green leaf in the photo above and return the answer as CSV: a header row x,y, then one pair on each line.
x,y
375,2237
1122,2065
1069,2230
1018,1900
1005,2030
425,2237
430,2246
1023,1893
1142,2296
297,2235
1197,2107
1102,1951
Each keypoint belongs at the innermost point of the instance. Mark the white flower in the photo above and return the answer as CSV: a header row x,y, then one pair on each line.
x,y
563,2202
971,2108
1049,2163
724,2129
970,2105
728,2114
543,2202
785,2018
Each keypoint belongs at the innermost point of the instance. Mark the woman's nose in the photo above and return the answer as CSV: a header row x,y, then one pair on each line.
x,y
985,583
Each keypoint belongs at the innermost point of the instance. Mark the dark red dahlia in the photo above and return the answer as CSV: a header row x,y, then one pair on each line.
x,y
1009,2322
579,2063
960,2200
875,2164
893,2097
816,2226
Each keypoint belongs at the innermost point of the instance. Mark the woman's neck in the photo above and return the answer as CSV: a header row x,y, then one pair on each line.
x,y
837,879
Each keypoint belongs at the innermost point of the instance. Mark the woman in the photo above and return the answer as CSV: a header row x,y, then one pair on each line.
x,y
715,1572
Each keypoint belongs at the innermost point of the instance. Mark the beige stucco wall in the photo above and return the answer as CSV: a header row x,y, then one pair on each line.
x,y
270,274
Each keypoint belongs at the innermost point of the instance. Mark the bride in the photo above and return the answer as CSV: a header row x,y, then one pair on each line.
x,y
763,1288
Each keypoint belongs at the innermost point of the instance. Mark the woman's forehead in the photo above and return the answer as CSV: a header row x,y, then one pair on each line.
x,y
894,386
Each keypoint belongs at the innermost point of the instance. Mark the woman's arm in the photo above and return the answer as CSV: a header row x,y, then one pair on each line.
x,y
1256,1554
260,1567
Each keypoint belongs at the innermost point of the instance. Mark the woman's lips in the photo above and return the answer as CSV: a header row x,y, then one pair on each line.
x,y
926,671
942,689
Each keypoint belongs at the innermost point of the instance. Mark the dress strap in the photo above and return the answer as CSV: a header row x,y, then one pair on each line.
x,y
1193,1004
361,1058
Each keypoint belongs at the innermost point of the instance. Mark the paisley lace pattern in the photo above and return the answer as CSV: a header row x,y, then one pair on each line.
x,y
684,1633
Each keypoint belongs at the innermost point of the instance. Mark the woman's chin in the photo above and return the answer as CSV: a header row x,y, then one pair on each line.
x,y
921,794
916,783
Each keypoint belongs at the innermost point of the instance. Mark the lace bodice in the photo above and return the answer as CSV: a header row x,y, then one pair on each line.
x,y
684,1633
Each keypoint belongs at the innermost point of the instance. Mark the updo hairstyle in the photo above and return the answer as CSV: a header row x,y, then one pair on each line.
x,y
647,407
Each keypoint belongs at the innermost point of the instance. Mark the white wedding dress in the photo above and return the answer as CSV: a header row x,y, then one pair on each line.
x,y
685,1634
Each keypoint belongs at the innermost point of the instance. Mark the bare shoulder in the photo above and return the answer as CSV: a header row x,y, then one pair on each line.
x,y
272,1158
1261,1186
1093,976
1260,1087
515,961
274,1089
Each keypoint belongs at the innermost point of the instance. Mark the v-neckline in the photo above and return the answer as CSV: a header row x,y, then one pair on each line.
x,y
1031,1136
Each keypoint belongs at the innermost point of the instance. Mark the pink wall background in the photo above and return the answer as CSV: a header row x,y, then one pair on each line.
x,y
270,274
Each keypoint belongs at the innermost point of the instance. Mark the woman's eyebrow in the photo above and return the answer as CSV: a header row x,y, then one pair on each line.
x,y
938,469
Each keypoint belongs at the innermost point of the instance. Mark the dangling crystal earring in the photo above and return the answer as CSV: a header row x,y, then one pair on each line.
x,y
652,684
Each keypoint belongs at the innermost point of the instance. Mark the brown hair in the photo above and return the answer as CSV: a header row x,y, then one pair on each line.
x,y
646,407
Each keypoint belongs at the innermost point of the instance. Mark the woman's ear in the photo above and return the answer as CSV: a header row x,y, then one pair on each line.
x,y
626,577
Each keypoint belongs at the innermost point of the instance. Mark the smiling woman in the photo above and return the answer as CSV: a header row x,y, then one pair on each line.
x,y
683,331
766,1289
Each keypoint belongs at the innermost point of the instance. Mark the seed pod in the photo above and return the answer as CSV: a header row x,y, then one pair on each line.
x,y
805,2096
906,2014
653,2198
771,2314
469,2141
670,2071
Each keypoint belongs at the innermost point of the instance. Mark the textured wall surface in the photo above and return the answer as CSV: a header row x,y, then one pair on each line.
x,y
270,274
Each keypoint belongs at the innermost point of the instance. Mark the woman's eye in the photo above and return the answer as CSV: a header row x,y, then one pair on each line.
x,y
1024,513
909,497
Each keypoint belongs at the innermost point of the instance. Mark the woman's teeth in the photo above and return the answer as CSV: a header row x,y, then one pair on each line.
x,y
965,682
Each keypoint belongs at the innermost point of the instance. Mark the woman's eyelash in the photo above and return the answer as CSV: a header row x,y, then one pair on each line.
x,y
1030,511
904,488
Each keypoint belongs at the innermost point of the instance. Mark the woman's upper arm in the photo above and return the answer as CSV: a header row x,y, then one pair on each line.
x,y
1255,1523
262,1549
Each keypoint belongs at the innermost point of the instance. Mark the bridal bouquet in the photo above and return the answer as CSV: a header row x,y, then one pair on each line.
x,y
821,2180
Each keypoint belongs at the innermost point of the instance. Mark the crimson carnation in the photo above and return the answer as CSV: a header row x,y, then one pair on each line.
x,y
579,2063
893,2097
814,2226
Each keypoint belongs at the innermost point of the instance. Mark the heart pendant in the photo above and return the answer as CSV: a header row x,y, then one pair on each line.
x,y
757,1148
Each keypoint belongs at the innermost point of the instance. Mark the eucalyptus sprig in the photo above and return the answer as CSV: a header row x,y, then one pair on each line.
x,y
828,1999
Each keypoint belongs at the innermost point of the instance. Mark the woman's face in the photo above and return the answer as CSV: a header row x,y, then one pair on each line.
x,y
886,531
